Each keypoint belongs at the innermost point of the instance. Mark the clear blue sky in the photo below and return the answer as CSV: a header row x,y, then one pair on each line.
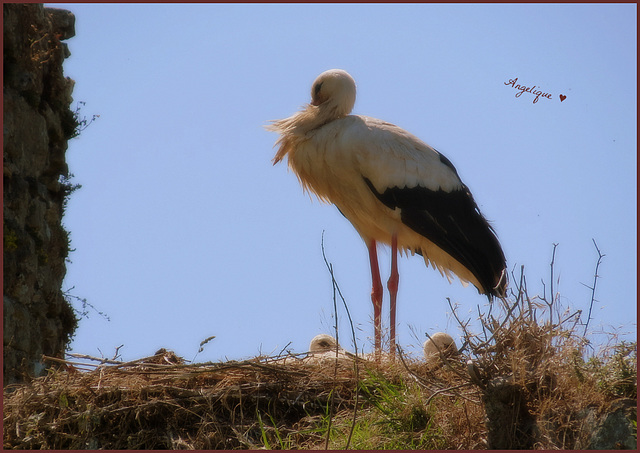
x,y
183,229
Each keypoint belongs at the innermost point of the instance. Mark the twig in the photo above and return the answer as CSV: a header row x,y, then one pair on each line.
x,y
422,382
467,335
526,293
344,302
484,325
116,354
550,304
443,357
335,365
97,359
77,365
499,328
523,294
426,403
336,288
593,288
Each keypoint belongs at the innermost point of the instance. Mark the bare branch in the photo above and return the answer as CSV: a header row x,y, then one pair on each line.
x,y
552,294
336,288
593,288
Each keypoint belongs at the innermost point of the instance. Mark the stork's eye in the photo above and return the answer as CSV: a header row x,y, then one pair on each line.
x,y
316,89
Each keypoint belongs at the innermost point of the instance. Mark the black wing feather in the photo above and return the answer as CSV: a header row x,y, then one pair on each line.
x,y
453,222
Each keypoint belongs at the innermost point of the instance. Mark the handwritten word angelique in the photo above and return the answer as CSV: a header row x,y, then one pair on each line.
x,y
524,89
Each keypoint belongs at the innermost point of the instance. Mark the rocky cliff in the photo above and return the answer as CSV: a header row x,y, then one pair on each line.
x,y
37,125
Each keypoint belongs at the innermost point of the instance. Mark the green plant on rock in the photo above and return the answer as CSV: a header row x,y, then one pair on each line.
x,y
81,122
617,376
9,239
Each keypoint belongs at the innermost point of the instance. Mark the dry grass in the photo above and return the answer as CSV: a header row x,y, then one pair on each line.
x,y
159,403
537,383
252,404
540,377
529,379
156,405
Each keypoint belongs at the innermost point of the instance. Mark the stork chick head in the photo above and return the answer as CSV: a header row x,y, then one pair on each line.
x,y
439,342
322,343
334,90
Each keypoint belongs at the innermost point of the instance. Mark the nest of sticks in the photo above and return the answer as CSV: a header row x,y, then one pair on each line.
x,y
524,382
159,402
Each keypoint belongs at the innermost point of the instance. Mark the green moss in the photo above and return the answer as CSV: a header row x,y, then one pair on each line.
x,y
10,239
43,257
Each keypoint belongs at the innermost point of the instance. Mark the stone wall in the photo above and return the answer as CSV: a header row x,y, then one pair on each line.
x,y
37,124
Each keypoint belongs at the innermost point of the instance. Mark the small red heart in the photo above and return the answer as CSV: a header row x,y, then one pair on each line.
x,y
562,97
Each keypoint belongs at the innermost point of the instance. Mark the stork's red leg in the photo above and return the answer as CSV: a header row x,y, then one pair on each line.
x,y
392,284
376,298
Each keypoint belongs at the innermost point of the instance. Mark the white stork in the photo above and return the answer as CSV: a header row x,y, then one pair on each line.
x,y
394,188
439,342
324,343
324,347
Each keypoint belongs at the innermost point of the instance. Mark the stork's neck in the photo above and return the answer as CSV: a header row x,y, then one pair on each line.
x,y
294,129
311,118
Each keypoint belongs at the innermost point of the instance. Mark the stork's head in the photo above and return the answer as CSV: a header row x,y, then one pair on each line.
x,y
333,95
334,90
